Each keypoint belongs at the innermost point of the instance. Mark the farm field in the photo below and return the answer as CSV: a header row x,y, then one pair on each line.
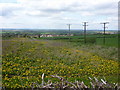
x,y
110,40
24,60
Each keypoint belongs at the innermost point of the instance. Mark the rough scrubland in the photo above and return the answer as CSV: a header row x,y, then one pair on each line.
x,y
24,60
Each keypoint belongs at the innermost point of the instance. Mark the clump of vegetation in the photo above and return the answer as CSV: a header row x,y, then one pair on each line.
x,y
102,51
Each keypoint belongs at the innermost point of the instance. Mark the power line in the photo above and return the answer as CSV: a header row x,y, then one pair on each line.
x,y
85,26
104,26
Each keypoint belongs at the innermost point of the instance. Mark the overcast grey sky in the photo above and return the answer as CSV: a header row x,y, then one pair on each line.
x,y
55,14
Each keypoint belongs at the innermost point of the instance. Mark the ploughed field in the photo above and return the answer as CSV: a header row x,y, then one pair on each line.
x,y
25,60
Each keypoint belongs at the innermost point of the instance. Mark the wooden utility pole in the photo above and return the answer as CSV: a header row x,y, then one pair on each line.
x,y
104,26
85,26
69,30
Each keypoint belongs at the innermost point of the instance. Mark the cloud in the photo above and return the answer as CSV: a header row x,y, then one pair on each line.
x,y
43,7
48,12
109,9
8,10
8,1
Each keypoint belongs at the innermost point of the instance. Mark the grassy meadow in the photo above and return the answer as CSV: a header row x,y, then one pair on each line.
x,y
24,60
110,40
